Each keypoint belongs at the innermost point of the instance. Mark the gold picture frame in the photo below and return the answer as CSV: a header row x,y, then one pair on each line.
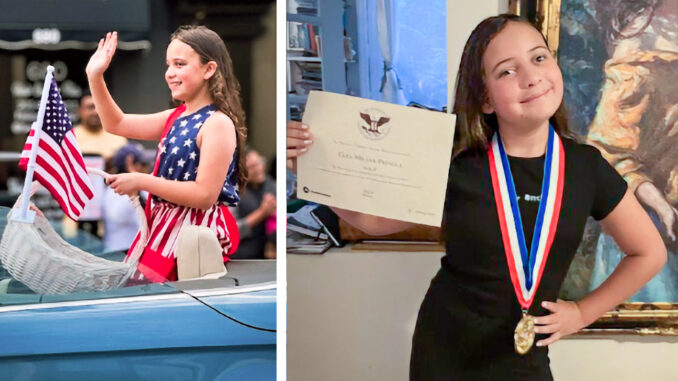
x,y
649,318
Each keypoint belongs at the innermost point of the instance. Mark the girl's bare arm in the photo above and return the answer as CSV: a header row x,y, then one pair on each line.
x,y
637,237
372,225
145,127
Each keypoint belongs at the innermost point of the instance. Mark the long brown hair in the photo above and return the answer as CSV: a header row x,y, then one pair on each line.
x,y
473,128
223,87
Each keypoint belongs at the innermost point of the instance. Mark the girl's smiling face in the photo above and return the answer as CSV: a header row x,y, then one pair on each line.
x,y
523,83
186,76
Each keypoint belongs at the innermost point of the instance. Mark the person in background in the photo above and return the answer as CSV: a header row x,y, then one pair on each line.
x,y
94,142
255,215
120,221
90,134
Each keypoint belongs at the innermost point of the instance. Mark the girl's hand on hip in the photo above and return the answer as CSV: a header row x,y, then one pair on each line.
x,y
298,140
125,183
100,60
565,319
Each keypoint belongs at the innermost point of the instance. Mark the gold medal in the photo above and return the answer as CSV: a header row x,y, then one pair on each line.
x,y
523,336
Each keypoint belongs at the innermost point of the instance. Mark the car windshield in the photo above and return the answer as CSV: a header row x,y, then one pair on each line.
x,y
21,266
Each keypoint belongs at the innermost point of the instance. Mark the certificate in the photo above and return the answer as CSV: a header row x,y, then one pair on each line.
x,y
376,158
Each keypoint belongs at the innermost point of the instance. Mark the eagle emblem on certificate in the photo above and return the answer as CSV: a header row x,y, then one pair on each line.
x,y
373,123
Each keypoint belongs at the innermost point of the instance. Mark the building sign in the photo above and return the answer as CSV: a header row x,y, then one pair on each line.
x,y
26,94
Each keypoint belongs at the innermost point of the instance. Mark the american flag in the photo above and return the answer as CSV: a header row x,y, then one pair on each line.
x,y
59,166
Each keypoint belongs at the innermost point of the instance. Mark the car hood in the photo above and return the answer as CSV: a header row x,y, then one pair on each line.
x,y
246,294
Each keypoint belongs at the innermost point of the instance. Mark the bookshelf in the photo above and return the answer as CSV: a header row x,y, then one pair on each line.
x,y
315,51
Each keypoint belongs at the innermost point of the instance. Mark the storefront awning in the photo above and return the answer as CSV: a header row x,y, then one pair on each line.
x,y
73,24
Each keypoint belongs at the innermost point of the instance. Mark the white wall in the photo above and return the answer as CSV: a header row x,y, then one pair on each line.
x,y
618,358
351,314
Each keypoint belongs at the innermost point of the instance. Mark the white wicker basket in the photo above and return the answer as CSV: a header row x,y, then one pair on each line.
x,y
38,257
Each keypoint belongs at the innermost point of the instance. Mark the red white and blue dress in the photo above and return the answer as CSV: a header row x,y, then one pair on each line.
x,y
178,159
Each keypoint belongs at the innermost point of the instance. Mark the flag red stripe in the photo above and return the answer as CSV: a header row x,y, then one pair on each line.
x,y
65,177
56,194
76,175
168,238
72,145
44,167
75,154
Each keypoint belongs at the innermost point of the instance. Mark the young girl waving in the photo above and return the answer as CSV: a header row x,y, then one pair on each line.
x,y
519,193
199,166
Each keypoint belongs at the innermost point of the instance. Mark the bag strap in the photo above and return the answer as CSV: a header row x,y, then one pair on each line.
x,y
168,124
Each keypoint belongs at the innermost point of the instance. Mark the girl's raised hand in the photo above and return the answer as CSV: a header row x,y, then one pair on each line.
x,y
298,140
100,60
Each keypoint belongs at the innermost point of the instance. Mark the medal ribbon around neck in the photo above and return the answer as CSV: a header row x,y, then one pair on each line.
x,y
526,271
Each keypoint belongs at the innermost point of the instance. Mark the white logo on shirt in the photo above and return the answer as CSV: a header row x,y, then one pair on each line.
x,y
531,198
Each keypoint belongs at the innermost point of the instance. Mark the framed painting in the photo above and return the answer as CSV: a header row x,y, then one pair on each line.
x,y
619,60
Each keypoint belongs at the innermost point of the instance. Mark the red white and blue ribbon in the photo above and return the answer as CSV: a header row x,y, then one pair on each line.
x,y
526,270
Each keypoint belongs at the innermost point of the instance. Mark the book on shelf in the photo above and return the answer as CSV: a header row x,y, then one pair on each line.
x,y
300,244
311,39
302,222
329,223
304,235
313,75
296,111
307,11
318,44
310,76
309,85
310,231
309,66
303,37
307,7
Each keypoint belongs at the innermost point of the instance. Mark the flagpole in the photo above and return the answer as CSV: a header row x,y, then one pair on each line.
x,y
26,215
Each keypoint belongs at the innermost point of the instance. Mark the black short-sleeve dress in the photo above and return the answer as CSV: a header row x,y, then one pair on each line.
x,y
465,326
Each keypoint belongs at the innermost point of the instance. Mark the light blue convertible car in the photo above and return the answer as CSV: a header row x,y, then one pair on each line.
x,y
221,329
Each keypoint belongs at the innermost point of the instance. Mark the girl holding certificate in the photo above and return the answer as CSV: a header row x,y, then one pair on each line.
x,y
519,193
